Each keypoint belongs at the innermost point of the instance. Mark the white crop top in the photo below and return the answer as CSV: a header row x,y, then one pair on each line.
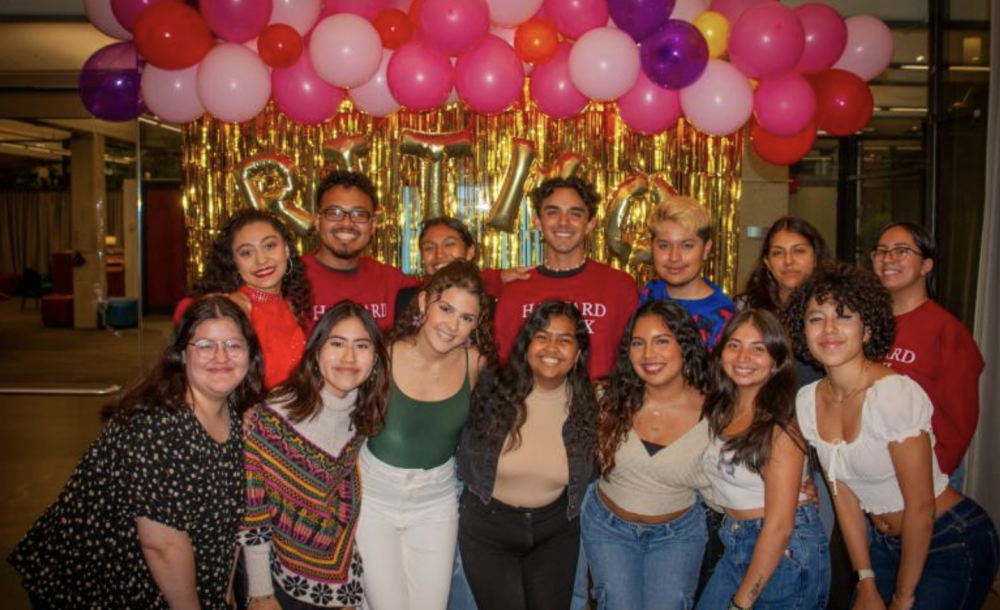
x,y
895,409
734,485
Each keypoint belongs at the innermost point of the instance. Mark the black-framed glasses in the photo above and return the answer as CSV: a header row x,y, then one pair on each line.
x,y
895,253
208,348
357,215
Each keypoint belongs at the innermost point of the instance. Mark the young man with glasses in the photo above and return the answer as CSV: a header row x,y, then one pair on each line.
x,y
337,270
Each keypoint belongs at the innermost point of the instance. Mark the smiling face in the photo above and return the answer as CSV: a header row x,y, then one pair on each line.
x,y
790,259
905,272
565,222
213,374
347,357
834,339
345,238
678,254
553,352
655,353
745,358
440,245
261,256
450,319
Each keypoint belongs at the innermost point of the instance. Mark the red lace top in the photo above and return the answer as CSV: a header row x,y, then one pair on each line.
x,y
281,338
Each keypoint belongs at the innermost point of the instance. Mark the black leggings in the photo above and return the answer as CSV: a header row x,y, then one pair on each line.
x,y
518,558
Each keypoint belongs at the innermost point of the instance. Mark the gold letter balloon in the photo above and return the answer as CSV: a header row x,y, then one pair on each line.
x,y
628,193
434,150
503,215
269,181
345,151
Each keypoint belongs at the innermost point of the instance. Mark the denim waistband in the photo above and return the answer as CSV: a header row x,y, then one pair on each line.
x,y
805,514
962,516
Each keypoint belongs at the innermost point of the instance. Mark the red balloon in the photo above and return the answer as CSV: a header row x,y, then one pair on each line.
x,y
172,35
394,28
536,41
279,45
781,151
844,103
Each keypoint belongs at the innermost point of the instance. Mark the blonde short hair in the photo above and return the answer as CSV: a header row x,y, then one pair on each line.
x,y
685,211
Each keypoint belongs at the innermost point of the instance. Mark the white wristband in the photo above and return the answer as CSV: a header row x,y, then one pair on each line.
x,y
865,574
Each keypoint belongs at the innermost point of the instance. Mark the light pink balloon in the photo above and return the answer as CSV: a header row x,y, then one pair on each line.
x,y
490,77
302,95
100,14
368,9
345,50
766,41
512,13
374,97
234,84
453,26
552,87
172,95
300,14
574,18
687,10
869,47
420,78
720,102
784,106
236,20
127,11
826,37
604,64
732,9
649,108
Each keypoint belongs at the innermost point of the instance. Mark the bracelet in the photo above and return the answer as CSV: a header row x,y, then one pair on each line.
x,y
734,606
864,574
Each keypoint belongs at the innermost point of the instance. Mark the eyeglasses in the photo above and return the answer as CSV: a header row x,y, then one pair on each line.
x,y
208,348
895,253
335,214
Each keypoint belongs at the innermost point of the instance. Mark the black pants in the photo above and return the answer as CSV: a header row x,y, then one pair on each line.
x,y
518,558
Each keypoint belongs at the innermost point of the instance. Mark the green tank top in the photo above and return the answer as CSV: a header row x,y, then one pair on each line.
x,y
418,433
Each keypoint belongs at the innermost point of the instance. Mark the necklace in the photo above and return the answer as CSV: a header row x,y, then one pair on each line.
x,y
849,395
565,269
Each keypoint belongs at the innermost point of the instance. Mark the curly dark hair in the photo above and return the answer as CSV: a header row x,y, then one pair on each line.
x,y
626,390
774,405
850,287
498,402
165,386
924,242
222,276
586,192
762,291
347,180
456,274
303,387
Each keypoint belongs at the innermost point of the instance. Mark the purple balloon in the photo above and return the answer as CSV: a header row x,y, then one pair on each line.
x,y
675,55
640,18
110,84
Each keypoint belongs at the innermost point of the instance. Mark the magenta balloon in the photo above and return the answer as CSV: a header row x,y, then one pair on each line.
x,y
234,84
826,37
127,11
574,18
419,77
649,108
733,9
552,87
869,47
100,14
721,102
490,77
784,106
236,20
766,41
302,95
374,97
172,95
453,26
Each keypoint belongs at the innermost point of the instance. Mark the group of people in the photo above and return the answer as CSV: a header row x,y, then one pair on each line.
x,y
324,431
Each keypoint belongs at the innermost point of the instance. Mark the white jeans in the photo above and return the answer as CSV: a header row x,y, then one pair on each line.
x,y
407,534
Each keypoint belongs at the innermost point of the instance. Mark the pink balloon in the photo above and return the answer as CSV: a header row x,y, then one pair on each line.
x,y
512,13
720,102
234,84
687,10
604,64
453,26
766,41
302,95
649,108
826,37
574,18
869,47
236,20
345,50
552,87
490,77
368,9
300,14
419,77
127,11
100,14
733,9
172,95
374,97
784,106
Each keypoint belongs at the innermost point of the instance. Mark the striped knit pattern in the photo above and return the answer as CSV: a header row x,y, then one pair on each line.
x,y
303,500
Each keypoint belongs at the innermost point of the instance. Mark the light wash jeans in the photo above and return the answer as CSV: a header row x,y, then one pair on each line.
x,y
407,534
639,566
460,597
801,580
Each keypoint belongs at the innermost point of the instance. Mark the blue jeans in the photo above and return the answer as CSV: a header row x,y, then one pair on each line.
x,y
652,567
460,596
961,564
801,580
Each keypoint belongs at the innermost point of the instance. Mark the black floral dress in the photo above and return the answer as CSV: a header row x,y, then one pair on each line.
x,y
84,550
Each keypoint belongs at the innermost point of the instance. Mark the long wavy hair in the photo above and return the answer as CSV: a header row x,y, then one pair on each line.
x,y
165,386
762,291
774,405
626,390
222,275
498,402
302,390
461,274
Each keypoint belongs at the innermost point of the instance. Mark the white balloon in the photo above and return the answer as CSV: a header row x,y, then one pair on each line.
x,y
234,84
687,10
604,64
300,14
374,97
345,50
172,95
100,14
512,13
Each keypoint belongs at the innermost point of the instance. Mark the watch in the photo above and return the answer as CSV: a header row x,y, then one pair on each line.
x,y
864,574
